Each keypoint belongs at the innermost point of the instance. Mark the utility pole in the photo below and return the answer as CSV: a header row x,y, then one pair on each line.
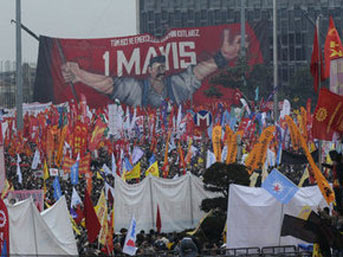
x,y
275,62
19,72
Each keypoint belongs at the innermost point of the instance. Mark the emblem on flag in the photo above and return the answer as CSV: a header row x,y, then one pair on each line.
x,y
280,186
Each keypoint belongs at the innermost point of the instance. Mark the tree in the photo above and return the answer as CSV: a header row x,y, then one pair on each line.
x,y
217,178
244,77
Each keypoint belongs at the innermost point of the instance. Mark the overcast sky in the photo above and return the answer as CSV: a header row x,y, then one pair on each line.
x,y
63,18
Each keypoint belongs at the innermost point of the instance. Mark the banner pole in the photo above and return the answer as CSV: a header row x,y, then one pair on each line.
x,y
320,143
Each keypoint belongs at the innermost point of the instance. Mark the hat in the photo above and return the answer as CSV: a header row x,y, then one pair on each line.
x,y
159,59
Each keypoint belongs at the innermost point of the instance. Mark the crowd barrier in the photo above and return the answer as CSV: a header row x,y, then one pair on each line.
x,y
267,251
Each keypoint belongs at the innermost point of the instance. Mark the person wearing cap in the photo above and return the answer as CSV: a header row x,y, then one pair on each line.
x,y
153,90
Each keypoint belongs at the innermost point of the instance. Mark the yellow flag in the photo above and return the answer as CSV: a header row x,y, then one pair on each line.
x,y
101,212
134,173
304,177
216,142
46,171
6,189
98,176
316,251
305,212
153,170
253,179
74,225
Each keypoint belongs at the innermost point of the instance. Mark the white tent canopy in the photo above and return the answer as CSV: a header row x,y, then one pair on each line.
x,y
179,202
254,217
46,233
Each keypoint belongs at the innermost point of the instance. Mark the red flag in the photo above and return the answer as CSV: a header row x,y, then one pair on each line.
x,y
92,223
328,115
316,60
333,47
158,220
97,134
4,228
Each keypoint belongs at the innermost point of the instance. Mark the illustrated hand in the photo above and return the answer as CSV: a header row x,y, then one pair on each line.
x,y
70,72
231,50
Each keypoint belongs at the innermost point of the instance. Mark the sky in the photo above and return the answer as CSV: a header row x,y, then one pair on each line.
x,y
64,19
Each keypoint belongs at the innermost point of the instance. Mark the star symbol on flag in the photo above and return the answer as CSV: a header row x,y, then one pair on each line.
x,y
277,187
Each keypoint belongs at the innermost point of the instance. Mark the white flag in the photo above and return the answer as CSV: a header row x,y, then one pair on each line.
x,y
130,240
211,158
36,160
114,166
20,177
75,199
137,153
224,154
106,169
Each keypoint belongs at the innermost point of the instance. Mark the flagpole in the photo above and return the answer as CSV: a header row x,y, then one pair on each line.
x,y
281,219
320,143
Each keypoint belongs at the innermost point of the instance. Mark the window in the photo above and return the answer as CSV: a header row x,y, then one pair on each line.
x,y
284,74
284,54
298,54
291,53
291,39
298,39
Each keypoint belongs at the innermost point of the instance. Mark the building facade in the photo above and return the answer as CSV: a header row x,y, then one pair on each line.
x,y
295,23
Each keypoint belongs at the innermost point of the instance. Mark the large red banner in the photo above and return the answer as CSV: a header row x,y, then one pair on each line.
x,y
123,68
4,230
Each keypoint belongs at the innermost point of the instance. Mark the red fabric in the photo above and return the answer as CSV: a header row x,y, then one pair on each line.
x,y
158,220
4,227
97,134
328,115
333,47
79,214
92,223
316,60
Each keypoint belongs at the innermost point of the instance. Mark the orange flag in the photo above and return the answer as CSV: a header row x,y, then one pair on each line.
x,y
257,156
216,142
323,184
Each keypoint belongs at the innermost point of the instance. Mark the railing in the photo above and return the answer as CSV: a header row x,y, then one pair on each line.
x,y
268,251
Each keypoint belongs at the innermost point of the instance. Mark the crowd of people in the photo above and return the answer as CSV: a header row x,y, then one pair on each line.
x,y
151,136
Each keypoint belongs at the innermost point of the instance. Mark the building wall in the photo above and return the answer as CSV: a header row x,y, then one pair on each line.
x,y
8,83
295,22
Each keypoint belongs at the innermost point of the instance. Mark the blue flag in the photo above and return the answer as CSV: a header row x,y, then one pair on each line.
x,y
280,186
4,249
74,173
152,160
127,164
57,188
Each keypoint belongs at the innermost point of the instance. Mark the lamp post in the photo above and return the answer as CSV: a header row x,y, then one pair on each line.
x,y
275,64
19,72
